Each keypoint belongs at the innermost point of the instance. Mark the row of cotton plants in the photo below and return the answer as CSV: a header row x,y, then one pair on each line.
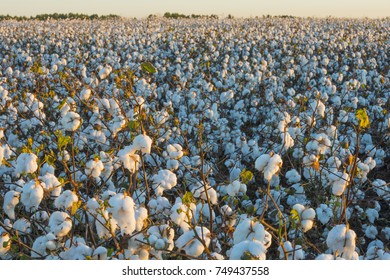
x,y
261,138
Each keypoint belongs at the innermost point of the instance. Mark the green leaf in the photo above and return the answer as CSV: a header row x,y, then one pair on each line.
x,y
246,176
74,208
133,125
188,198
148,67
364,121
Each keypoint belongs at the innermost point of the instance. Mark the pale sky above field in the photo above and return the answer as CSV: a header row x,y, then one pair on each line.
x,y
239,8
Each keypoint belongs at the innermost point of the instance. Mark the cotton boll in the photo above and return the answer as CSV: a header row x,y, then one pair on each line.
x,y
100,253
52,184
248,250
175,151
85,94
248,230
190,244
372,215
293,176
43,244
262,161
11,199
235,188
339,185
76,249
163,180
71,121
22,226
60,223
371,232
122,210
94,168
325,257
200,192
182,214
141,214
26,163
129,159
143,143
293,252
105,72
342,240
273,166
32,195
324,213
66,200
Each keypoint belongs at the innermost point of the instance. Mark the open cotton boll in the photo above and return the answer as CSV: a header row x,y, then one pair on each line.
x,y
51,184
372,215
22,226
32,195
248,250
324,213
175,151
105,224
236,187
60,223
293,176
163,180
262,161
342,240
248,230
129,158
11,199
190,244
273,166
85,94
76,249
371,232
181,214
143,143
200,192
306,216
340,183
100,253
105,72
26,163
141,214
71,121
66,200
293,252
122,210
94,168
42,244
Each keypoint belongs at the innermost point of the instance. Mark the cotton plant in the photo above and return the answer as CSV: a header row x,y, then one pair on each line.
x,y
291,252
304,215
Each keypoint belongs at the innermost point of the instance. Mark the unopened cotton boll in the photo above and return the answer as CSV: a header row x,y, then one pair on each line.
x,y
143,143
26,163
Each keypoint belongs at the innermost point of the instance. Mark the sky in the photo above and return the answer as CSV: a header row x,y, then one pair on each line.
x,y
238,8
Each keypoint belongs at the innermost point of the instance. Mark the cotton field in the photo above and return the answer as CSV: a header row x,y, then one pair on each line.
x,y
263,138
